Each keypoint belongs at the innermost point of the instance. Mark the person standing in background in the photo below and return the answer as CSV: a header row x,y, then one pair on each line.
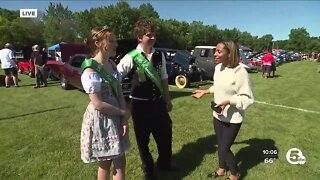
x,y
9,65
39,66
267,60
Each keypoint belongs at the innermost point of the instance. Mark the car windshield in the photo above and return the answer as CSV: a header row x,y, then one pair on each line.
x,y
19,55
183,58
243,57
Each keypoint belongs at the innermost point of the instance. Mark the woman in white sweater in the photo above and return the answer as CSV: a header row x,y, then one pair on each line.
x,y
232,95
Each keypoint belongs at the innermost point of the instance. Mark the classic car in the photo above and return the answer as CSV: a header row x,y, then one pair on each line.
x,y
182,69
204,60
68,70
24,66
168,53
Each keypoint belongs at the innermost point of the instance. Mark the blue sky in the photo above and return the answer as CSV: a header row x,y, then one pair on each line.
x,y
256,17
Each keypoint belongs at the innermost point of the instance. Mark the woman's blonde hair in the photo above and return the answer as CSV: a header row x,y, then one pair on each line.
x,y
97,34
233,50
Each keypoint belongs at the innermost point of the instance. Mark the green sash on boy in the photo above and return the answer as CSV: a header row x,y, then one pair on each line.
x,y
146,66
100,70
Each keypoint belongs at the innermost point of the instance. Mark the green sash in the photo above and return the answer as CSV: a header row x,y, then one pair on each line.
x,y
100,70
146,66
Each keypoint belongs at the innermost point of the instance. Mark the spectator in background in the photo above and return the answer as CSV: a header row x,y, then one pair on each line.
x,y
39,66
267,60
9,65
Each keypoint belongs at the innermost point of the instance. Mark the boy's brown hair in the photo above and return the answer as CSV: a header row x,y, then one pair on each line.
x,y
142,27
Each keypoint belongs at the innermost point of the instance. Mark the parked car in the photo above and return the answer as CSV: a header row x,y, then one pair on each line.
x,y
205,62
68,70
24,66
250,67
168,53
182,69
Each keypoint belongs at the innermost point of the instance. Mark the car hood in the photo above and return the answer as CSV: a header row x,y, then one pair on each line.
x,y
183,58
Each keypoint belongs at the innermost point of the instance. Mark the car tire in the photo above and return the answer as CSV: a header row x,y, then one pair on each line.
x,y
63,83
51,75
181,81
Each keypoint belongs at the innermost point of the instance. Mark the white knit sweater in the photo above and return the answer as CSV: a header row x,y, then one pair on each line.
x,y
232,84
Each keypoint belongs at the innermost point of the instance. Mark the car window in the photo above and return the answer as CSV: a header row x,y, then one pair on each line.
x,y
204,53
207,52
77,61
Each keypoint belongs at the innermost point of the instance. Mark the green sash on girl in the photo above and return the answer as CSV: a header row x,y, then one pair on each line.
x,y
147,67
100,70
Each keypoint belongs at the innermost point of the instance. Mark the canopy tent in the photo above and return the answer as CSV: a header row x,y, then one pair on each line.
x,y
55,47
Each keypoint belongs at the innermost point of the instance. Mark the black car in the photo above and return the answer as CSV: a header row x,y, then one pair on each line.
x,y
182,69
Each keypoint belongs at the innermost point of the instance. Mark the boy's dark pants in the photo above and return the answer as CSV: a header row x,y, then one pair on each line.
x,y
151,117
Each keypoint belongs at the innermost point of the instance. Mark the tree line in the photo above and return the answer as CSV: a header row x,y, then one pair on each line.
x,y
59,24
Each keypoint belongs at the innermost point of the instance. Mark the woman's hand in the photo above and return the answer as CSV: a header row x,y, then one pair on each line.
x,y
222,105
199,93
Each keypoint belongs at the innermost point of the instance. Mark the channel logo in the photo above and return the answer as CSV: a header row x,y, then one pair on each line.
x,y
28,13
295,156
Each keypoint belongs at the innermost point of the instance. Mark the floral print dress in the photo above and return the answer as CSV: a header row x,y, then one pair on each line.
x,y
101,134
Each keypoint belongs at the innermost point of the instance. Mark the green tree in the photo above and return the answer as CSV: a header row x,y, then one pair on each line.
x,y
59,24
20,29
147,11
313,46
298,39
265,42
4,31
10,15
231,34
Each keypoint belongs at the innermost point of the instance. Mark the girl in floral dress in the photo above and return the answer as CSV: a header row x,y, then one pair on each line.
x,y
104,133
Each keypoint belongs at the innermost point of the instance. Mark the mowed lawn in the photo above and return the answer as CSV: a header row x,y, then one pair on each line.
x,y
40,130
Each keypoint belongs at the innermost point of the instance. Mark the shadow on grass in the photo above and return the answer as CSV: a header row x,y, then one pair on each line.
x,y
252,155
190,157
49,83
275,76
38,112
2,80
177,94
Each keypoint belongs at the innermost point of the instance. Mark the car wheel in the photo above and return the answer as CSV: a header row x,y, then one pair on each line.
x,y
181,81
51,76
63,83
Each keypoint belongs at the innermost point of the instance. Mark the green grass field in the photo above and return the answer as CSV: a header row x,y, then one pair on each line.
x,y
40,131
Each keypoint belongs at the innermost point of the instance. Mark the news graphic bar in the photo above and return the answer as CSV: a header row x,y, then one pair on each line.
x,y
28,13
